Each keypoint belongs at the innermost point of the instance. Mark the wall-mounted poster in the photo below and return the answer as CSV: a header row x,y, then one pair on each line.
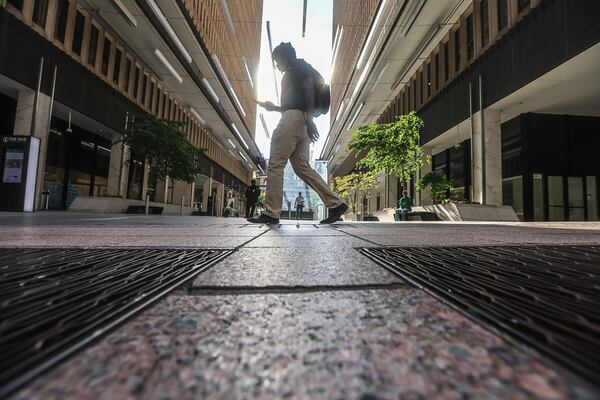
x,y
13,166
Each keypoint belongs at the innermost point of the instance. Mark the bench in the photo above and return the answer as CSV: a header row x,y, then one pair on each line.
x,y
422,216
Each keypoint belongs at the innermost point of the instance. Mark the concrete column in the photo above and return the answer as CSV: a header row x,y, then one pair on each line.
x,y
424,197
192,186
180,189
205,194
220,197
160,194
487,155
118,165
165,196
24,114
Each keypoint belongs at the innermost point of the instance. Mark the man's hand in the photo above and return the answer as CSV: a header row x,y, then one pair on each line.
x,y
311,128
267,105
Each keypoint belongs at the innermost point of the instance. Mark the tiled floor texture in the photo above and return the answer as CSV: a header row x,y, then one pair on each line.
x,y
295,312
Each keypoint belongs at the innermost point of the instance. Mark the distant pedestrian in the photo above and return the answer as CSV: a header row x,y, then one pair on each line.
x,y
299,205
252,195
405,205
303,96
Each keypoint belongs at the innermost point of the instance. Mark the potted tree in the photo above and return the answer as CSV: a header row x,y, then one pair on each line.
x,y
440,186
353,188
392,148
164,147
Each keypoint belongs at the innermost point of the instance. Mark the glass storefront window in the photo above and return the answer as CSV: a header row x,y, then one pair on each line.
x,y
18,4
93,46
78,33
485,23
592,198
522,4
502,6
61,24
105,56
117,66
512,194
40,11
77,164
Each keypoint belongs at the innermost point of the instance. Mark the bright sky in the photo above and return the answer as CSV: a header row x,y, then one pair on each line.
x,y
315,48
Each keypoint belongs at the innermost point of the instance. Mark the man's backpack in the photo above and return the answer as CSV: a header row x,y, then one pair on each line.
x,y
322,95
322,91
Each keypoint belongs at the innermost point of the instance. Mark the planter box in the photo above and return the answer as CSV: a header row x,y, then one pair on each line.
x,y
117,205
471,212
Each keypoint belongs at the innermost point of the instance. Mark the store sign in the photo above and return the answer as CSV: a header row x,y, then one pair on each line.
x,y
13,166
14,139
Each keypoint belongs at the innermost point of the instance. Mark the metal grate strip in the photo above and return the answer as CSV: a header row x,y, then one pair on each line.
x,y
544,297
55,301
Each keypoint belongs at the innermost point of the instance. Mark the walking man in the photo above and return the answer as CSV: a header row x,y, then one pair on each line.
x,y
252,195
299,205
292,137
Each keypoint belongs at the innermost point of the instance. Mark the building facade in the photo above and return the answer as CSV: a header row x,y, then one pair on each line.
x,y
507,89
75,73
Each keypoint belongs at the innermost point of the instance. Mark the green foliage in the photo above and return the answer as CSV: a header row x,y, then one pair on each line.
x,y
440,186
164,146
392,147
354,187
261,199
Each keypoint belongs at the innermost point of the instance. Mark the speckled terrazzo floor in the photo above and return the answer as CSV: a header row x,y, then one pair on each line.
x,y
295,313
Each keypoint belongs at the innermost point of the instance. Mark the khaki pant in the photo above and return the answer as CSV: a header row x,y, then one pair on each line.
x,y
290,141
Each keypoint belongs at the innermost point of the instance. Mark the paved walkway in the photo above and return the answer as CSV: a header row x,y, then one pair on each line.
x,y
295,312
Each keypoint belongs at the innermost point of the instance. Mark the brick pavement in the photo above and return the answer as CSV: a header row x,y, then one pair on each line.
x,y
295,313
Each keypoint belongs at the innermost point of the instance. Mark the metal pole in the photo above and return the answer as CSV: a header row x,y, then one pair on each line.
x,y
52,98
272,61
122,157
147,204
483,169
304,19
471,138
36,97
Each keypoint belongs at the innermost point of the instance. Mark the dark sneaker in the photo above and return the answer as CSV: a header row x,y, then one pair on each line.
x,y
263,219
335,214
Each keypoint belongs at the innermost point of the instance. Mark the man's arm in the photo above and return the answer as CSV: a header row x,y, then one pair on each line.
x,y
269,106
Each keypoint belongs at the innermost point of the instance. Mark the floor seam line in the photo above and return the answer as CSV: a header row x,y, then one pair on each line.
x,y
283,289
358,237
248,241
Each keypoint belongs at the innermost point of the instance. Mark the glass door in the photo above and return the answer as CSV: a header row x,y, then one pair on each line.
x,y
591,189
576,206
556,199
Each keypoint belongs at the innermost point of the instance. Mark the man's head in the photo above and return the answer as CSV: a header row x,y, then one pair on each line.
x,y
405,192
253,182
284,55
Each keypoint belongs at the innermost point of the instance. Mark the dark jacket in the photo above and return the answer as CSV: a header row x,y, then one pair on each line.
x,y
252,193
